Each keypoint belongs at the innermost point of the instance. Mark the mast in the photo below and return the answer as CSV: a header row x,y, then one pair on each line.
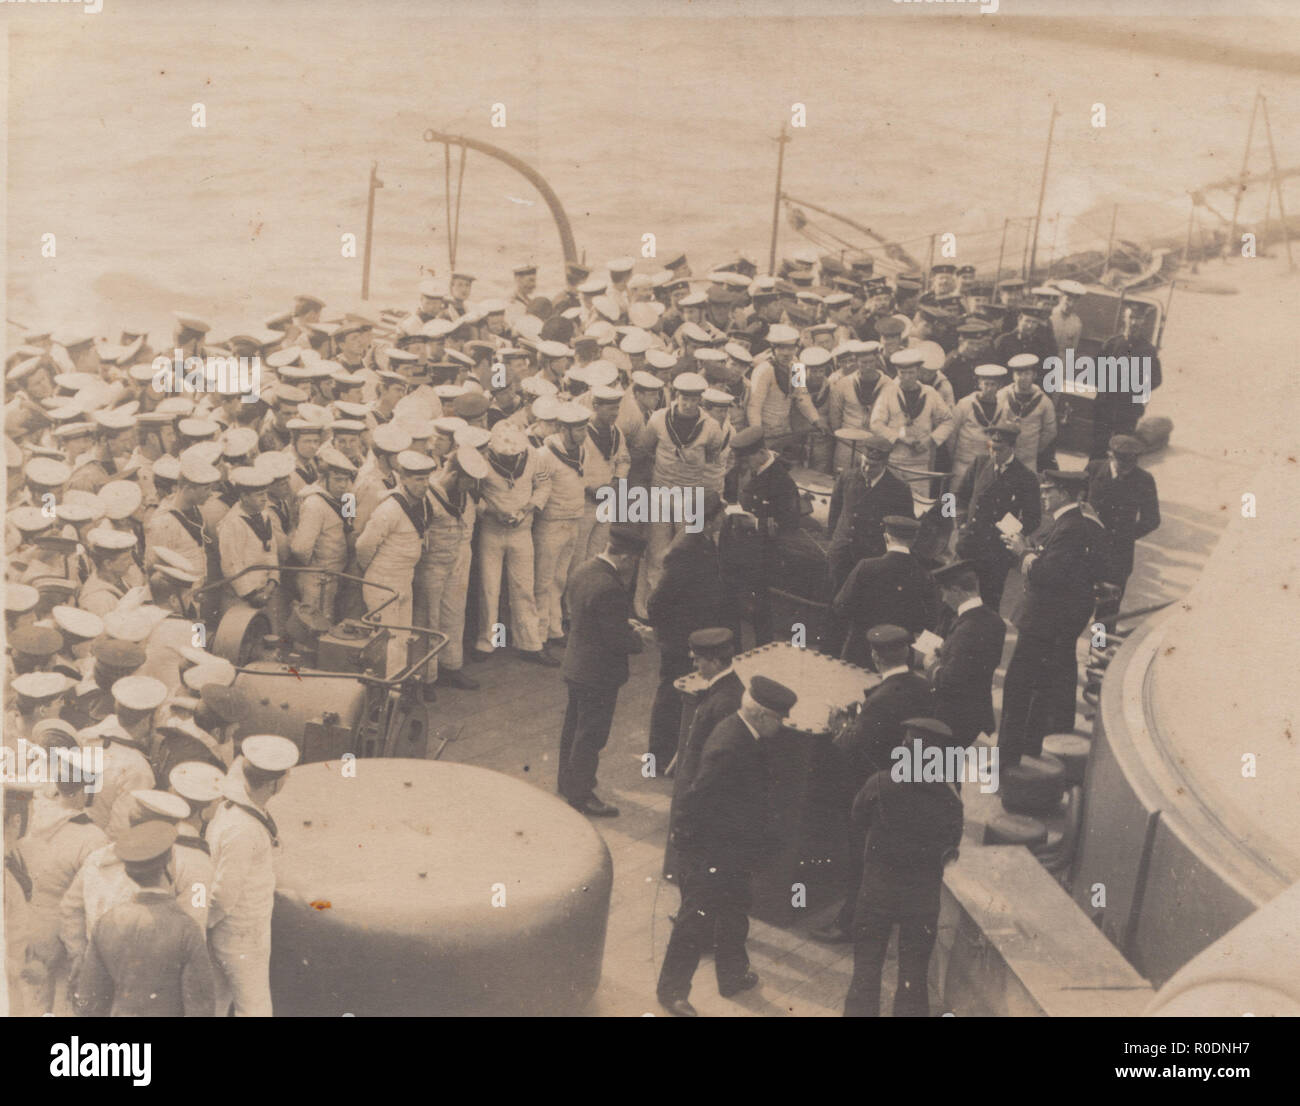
x,y
1042,191
781,140
375,182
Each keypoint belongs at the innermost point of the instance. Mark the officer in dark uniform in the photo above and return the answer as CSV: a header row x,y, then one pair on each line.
x,y
993,487
860,500
912,830
712,650
866,746
975,348
894,588
1125,499
1032,335
1038,693
723,831
962,670
688,597
1115,412
751,543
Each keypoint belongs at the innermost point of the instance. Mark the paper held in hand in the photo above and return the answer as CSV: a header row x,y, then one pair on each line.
x,y
927,643
1009,524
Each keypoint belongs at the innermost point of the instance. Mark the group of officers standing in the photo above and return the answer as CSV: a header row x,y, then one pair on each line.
x,y
462,449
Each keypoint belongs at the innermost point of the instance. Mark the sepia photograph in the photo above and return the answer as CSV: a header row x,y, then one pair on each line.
x,y
721,509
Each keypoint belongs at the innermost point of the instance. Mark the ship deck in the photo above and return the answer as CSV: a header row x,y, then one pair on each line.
x,y
512,724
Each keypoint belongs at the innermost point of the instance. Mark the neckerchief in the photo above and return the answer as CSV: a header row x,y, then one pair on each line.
x,y
574,461
228,495
268,823
307,470
390,481
337,507
282,512
510,475
261,526
453,507
912,408
110,466
680,443
418,513
1017,408
380,417
199,843
864,399
193,526
599,439
985,413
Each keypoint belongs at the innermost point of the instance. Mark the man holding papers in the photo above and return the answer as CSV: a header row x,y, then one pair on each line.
x,y
998,495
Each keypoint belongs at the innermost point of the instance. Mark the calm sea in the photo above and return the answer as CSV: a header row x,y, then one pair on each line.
x,y
641,125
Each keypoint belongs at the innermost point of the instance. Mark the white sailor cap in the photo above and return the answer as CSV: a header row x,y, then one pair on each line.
x,y
1072,287
606,394
390,439
636,341
471,437
269,752
195,470
332,458
109,539
168,467
538,386
780,335
196,781
690,384
161,805
414,463
75,623
20,598
814,356
198,428
593,287
545,409
599,374
139,693
573,414
709,354
904,358
247,478
647,381
660,359
46,472
554,349
431,290
115,420
603,331
438,328
40,686
1022,361
990,371
716,397
121,499
449,424
471,462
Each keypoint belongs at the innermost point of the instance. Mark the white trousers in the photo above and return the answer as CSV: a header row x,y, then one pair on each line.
x,y
441,592
554,543
593,536
508,550
397,613
243,971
